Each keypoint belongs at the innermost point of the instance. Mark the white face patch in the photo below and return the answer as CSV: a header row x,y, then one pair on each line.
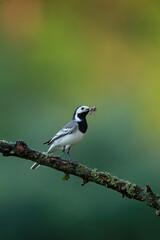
x,y
80,110
77,118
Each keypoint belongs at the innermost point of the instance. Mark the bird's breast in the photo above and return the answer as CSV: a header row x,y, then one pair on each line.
x,y
77,137
70,139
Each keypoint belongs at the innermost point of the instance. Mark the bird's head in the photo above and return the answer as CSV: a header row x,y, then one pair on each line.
x,y
80,113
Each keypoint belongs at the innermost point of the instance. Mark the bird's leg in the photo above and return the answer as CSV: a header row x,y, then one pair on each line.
x,y
63,150
68,154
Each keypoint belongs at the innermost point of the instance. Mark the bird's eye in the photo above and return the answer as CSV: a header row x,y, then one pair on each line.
x,y
82,108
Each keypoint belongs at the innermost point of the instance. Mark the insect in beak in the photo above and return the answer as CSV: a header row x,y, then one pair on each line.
x,y
92,109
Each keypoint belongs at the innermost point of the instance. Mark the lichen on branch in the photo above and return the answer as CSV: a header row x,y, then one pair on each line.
x,y
126,188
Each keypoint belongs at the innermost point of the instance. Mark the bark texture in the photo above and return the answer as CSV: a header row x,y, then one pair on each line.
x,y
126,188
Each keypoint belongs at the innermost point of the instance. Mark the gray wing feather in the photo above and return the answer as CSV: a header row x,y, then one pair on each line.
x,y
68,129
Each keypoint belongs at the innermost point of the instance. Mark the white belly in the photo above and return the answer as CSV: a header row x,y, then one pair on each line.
x,y
67,141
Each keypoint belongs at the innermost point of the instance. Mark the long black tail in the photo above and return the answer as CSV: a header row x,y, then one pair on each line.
x,y
35,166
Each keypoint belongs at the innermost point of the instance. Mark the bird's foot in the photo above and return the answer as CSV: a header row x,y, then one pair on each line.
x,y
71,160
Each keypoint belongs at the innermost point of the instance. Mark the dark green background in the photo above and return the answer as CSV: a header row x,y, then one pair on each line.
x,y
55,56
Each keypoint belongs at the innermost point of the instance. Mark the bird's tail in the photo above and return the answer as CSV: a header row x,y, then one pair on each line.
x,y
50,150
35,166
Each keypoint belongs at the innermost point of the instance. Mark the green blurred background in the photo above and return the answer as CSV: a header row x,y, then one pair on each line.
x,y
55,56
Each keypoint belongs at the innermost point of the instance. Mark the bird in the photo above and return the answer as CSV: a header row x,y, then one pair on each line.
x,y
70,134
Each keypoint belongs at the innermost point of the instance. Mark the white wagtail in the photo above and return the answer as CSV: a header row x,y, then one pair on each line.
x,y
70,134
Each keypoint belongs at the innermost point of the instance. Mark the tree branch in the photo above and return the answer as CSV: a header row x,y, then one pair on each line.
x,y
127,189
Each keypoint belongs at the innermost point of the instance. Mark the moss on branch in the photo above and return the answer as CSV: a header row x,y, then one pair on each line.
x,y
127,189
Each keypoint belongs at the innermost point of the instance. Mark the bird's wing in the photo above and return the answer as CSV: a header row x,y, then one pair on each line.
x,y
68,129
